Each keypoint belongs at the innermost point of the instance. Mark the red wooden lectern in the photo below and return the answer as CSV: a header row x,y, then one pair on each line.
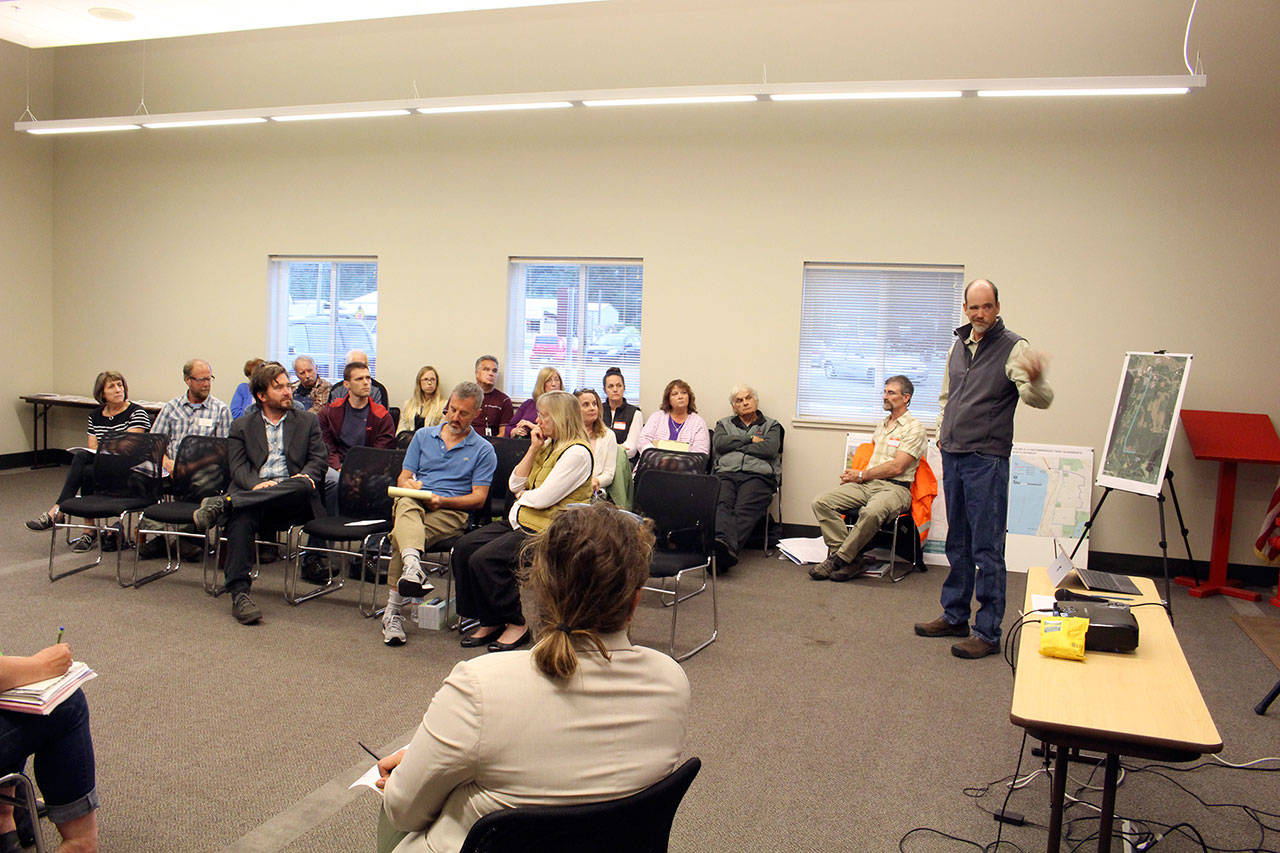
x,y
1229,438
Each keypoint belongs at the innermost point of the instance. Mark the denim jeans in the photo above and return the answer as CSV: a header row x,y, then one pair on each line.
x,y
976,487
63,754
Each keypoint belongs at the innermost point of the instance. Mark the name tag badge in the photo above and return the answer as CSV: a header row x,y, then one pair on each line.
x,y
894,442
204,423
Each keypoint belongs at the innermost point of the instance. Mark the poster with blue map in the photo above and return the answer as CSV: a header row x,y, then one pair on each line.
x,y
1143,421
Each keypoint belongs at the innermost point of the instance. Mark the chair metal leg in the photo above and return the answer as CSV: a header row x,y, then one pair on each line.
x,y
53,539
372,583
172,550
24,796
893,555
209,574
293,573
710,568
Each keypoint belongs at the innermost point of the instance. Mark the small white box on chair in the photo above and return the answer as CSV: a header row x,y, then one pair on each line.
x,y
434,613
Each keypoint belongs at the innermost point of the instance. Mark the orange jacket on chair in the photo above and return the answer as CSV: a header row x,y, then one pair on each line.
x,y
923,489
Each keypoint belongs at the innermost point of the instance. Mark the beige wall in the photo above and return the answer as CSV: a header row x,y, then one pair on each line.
x,y
26,273
1109,225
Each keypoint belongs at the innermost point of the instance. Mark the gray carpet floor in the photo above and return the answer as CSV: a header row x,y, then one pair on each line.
x,y
822,722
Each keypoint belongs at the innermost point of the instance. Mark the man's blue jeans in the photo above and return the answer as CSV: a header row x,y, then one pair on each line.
x,y
63,755
976,487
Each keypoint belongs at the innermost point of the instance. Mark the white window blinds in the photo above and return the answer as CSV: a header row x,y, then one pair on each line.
x,y
862,323
578,315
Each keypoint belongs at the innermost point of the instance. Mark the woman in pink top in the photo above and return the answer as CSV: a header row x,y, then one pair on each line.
x,y
677,420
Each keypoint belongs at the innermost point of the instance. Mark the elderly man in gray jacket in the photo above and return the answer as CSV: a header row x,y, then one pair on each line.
x,y
748,454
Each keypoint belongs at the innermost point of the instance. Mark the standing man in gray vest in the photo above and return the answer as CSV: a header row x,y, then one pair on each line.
x,y
988,370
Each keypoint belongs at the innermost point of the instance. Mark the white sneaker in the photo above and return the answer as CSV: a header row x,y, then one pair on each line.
x,y
413,580
393,629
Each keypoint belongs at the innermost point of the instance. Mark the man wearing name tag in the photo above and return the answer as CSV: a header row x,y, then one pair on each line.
x,y
882,490
988,371
455,464
196,412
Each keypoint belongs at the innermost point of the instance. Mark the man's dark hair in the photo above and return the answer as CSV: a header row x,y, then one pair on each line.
x,y
995,291
904,384
263,375
354,365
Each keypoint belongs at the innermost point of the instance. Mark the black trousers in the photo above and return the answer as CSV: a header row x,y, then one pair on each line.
x,y
79,476
484,574
288,502
743,501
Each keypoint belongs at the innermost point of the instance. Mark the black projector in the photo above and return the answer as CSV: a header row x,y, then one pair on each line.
x,y
1112,627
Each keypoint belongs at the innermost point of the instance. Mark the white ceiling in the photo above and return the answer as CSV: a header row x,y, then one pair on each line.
x,y
56,23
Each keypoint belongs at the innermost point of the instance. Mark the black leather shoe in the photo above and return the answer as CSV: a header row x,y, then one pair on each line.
x,y
471,641
523,640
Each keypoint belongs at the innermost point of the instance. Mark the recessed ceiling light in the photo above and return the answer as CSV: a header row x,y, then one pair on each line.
x,y
107,13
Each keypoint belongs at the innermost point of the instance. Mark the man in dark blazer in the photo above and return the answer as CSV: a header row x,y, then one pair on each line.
x,y
278,461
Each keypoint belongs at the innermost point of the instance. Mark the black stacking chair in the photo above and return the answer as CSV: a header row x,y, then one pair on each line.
x,y
510,451
639,823
127,472
24,797
904,542
200,471
364,517
683,510
678,461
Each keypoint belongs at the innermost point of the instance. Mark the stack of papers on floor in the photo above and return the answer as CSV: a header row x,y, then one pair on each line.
x,y
43,696
803,550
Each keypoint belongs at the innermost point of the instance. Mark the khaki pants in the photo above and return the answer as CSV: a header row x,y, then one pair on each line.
x,y
879,500
417,527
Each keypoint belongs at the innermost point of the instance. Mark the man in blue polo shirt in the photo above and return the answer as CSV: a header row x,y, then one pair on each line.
x,y
456,465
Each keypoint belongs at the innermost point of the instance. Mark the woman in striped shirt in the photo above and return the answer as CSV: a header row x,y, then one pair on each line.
x,y
117,416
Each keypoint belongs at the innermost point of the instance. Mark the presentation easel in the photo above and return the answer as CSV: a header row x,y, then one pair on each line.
x,y
1164,540
1228,438
1135,457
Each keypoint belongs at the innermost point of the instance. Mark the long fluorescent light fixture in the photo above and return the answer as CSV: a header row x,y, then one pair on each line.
x,y
669,100
486,108
1058,93
865,96
659,96
340,114
202,122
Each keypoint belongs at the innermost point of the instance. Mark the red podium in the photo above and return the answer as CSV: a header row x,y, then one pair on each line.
x,y
1228,438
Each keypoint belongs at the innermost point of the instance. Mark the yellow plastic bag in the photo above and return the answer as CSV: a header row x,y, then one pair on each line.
x,y
1063,636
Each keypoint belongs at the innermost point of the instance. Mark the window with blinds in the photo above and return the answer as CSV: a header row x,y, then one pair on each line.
x,y
862,323
322,307
578,315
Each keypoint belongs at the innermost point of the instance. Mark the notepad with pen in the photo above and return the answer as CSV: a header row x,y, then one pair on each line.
x,y
41,697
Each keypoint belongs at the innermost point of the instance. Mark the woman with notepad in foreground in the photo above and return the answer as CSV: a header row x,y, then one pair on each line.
x,y
585,716
63,753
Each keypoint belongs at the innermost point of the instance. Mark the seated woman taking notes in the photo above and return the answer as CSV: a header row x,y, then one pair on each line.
x,y
584,716
62,748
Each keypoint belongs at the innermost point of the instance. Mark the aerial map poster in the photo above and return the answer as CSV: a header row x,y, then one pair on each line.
x,y
1143,420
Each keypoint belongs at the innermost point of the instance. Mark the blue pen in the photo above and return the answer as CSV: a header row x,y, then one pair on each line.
x,y
59,640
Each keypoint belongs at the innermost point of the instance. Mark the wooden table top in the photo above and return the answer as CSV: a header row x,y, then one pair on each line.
x,y
1145,698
